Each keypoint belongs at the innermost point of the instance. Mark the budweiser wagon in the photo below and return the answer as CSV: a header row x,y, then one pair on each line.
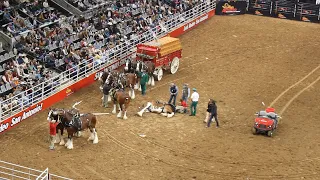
x,y
164,53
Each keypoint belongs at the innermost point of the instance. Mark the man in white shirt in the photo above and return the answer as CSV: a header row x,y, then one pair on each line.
x,y
194,99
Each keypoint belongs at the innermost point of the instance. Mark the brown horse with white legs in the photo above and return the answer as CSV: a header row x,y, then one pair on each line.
x,y
128,80
122,99
131,67
73,122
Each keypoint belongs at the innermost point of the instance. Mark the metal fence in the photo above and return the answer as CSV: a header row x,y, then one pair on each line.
x,y
9,171
41,91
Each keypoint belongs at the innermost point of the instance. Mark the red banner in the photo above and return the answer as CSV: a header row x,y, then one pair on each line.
x,y
21,116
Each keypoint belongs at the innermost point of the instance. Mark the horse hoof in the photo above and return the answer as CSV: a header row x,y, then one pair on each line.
x,y
140,114
70,147
61,143
125,118
113,112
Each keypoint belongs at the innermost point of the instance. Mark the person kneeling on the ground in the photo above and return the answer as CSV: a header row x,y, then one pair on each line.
x,y
182,108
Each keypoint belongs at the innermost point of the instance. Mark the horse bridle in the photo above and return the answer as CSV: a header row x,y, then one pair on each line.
x,y
58,114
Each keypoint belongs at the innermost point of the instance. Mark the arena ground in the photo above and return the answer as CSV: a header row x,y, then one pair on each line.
x,y
239,61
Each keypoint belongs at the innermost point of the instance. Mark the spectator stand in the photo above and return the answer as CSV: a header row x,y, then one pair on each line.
x,y
116,50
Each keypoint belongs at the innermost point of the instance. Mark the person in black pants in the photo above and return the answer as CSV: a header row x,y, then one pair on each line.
x,y
173,94
212,107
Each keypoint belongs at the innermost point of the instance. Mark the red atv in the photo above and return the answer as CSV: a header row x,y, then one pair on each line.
x,y
266,122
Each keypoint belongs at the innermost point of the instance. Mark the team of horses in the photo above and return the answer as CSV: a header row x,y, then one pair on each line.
x,y
113,85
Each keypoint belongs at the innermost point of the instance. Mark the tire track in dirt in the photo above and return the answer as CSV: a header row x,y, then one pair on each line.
x,y
292,86
297,95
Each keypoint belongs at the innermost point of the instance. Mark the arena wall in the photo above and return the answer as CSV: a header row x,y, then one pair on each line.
x,y
16,119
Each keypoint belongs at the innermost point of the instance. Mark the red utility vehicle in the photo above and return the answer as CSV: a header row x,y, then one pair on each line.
x,y
266,122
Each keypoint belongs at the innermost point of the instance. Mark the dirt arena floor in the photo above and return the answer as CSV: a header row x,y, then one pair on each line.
x,y
240,61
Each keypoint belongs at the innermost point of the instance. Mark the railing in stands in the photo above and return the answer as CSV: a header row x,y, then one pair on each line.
x,y
41,91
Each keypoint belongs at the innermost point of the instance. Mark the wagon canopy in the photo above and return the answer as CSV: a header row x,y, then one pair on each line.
x,y
164,46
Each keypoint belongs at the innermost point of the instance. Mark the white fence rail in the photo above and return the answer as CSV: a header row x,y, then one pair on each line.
x,y
10,171
38,93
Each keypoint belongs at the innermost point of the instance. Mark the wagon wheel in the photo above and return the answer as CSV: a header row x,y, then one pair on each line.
x,y
254,130
174,65
158,74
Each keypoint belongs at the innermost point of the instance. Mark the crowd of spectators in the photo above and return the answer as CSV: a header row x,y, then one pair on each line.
x,y
72,41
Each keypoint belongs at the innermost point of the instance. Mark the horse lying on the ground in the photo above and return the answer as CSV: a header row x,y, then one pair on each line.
x,y
164,109
73,122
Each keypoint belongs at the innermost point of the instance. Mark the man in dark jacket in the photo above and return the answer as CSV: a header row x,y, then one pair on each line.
x,y
173,94
213,113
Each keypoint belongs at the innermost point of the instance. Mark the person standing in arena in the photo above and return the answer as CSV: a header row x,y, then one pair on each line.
x,y
194,98
53,132
213,113
143,82
173,93
185,92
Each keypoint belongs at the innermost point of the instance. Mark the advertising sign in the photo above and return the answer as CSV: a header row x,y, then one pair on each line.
x,y
234,7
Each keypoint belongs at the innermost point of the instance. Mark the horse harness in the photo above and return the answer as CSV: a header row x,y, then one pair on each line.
x,y
76,122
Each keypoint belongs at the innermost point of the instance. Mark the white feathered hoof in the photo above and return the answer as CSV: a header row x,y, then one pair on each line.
x,y
170,115
67,144
136,86
114,112
62,142
96,140
70,146
140,113
57,140
78,134
152,81
125,117
119,114
91,137
164,114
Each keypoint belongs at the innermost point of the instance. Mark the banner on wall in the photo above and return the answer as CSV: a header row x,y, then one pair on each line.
x,y
261,7
308,12
234,7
